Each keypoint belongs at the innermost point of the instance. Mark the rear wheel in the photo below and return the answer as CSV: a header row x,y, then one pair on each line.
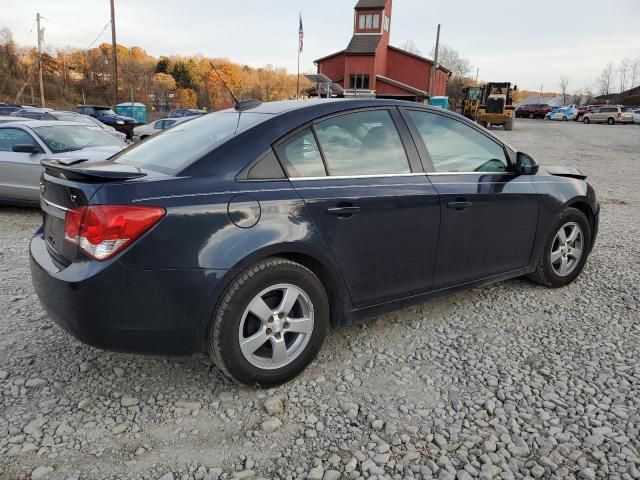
x,y
270,324
508,125
564,119
565,251
586,120
610,121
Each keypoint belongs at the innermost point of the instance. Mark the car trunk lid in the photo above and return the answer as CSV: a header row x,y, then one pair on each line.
x,y
70,183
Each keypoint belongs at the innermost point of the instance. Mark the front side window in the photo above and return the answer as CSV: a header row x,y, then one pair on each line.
x,y
456,147
9,137
362,143
301,157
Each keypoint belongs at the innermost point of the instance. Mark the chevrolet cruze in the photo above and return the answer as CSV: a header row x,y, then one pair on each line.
x,y
248,232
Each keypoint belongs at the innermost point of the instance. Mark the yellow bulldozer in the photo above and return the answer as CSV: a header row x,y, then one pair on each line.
x,y
496,105
473,97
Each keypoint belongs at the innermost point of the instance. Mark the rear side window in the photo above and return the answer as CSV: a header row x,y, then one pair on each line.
x,y
362,143
456,147
172,149
301,157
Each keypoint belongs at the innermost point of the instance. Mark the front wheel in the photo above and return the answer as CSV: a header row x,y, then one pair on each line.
x,y
586,120
610,121
270,323
565,251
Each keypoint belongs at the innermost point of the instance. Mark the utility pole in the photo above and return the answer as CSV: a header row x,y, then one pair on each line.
x,y
435,63
40,40
114,54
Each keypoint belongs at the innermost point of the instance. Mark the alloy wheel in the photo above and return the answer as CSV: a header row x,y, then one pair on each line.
x,y
567,249
276,326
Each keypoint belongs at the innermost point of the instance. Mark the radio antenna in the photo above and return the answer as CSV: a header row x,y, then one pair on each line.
x,y
224,83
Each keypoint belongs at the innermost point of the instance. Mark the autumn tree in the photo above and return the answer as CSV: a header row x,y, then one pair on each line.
x,y
605,80
162,84
186,98
451,60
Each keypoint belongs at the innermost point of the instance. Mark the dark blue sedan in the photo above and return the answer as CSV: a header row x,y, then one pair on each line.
x,y
247,232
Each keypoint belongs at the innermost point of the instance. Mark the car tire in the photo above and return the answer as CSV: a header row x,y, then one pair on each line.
x,y
508,125
265,286
531,115
586,120
558,265
610,121
565,119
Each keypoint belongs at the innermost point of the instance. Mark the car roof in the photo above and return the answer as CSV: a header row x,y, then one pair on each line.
x,y
46,123
94,106
337,104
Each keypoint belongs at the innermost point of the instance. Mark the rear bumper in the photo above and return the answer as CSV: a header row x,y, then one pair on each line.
x,y
114,307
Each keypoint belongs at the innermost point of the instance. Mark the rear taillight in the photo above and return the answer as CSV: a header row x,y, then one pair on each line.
x,y
101,231
619,114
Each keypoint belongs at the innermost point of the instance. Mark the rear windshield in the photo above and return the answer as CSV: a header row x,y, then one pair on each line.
x,y
185,142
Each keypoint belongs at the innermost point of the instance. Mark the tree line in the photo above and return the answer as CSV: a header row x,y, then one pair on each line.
x,y
73,76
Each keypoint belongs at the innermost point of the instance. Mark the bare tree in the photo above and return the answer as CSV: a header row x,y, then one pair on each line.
x,y
411,47
605,80
622,73
634,71
564,84
450,59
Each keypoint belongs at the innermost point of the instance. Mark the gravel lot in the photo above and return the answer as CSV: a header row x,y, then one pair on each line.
x,y
508,381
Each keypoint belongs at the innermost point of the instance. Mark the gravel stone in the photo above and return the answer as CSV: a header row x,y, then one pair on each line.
x,y
509,381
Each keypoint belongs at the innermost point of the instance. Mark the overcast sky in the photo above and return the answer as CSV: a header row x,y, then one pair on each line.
x,y
534,42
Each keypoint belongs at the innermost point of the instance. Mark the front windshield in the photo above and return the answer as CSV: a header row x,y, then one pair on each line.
x,y
105,111
68,138
179,145
73,117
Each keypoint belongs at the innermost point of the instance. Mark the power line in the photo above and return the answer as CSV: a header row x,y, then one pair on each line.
x,y
67,25
101,33
30,32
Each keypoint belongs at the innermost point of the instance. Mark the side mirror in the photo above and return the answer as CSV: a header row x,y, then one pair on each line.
x,y
526,164
25,148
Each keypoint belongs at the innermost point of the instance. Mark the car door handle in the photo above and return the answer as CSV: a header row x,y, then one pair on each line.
x,y
344,212
459,205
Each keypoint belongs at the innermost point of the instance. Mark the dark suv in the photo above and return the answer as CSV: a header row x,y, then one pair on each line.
x,y
534,110
107,116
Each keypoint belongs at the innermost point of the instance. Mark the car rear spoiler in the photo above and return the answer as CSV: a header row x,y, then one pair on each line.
x,y
66,168
565,172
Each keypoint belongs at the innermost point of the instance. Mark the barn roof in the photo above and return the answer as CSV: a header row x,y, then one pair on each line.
x,y
363,44
371,4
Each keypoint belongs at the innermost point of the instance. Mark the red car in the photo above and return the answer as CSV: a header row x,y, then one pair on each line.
x,y
534,110
580,113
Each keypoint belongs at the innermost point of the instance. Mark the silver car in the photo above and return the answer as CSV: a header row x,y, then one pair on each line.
x,y
23,144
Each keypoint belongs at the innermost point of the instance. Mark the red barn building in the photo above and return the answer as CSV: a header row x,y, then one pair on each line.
x,y
370,64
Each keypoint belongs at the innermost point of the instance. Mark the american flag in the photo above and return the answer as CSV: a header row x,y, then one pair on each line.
x,y
300,35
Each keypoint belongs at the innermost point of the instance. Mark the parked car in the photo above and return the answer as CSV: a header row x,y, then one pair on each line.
x,y
538,110
562,113
107,116
636,116
24,143
8,109
185,112
7,118
68,117
610,114
240,232
580,112
150,129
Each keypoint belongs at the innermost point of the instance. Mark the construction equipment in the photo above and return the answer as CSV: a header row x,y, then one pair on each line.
x,y
472,98
496,106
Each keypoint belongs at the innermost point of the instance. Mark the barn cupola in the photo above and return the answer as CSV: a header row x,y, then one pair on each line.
x,y
372,17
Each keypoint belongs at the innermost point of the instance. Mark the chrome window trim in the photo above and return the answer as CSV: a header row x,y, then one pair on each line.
x,y
350,177
469,173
